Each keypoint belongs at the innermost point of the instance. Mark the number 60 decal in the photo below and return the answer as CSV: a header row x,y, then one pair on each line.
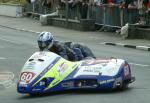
x,y
26,76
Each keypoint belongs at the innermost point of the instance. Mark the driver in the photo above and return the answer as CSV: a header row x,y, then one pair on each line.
x,y
47,42
71,51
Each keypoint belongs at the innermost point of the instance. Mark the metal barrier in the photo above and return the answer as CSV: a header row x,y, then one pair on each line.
x,y
99,19
148,19
114,16
99,14
111,16
104,14
130,16
37,8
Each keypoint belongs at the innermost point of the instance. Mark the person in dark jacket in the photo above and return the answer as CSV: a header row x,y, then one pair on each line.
x,y
83,51
67,50
47,42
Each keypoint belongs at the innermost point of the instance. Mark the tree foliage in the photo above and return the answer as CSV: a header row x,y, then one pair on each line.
x,y
22,2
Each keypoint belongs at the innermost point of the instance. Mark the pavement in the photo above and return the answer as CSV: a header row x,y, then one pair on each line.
x,y
34,26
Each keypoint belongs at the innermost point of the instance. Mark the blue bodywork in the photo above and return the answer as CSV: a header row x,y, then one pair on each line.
x,y
80,82
47,72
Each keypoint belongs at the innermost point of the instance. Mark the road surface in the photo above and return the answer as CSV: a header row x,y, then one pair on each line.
x,y
17,46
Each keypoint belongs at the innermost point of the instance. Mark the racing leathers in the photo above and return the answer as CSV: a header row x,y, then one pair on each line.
x,y
64,51
82,51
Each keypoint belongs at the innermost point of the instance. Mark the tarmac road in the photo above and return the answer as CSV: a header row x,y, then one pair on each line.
x,y
17,46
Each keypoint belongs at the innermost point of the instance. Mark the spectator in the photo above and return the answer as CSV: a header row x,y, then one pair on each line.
x,y
30,1
48,3
132,5
98,2
63,2
133,12
91,9
142,11
79,5
148,6
110,1
73,9
117,1
129,11
84,9
125,3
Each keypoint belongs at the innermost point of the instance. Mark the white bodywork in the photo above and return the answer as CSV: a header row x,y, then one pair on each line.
x,y
37,63
41,61
102,67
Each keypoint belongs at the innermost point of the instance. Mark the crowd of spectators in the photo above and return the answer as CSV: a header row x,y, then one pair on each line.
x,y
82,6
143,6
77,5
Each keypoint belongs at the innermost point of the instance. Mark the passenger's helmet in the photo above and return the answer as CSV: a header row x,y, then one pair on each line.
x,y
45,41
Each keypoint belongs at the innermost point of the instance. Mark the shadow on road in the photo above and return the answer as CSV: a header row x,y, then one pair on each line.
x,y
75,92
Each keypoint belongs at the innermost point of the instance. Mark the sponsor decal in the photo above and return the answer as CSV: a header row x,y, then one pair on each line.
x,y
6,79
99,61
111,70
26,77
36,89
62,68
40,55
89,70
22,84
68,84
106,81
30,65
94,69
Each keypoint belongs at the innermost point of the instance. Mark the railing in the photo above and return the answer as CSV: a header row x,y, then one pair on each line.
x,y
37,8
114,16
148,19
106,15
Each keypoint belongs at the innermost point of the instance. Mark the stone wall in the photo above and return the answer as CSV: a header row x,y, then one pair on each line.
x,y
82,25
139,32
12,10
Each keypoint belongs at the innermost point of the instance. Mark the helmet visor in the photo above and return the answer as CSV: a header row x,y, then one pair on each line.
x,y
42,44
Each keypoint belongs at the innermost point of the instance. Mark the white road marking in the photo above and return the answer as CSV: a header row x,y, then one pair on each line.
x,y
2,58
120,44
142,47
142,65
9,40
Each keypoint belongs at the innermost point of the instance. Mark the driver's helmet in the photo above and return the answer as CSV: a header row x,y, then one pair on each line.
x,y
45,41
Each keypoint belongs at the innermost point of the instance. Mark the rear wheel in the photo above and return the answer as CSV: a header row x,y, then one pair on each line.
x,y
123,86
